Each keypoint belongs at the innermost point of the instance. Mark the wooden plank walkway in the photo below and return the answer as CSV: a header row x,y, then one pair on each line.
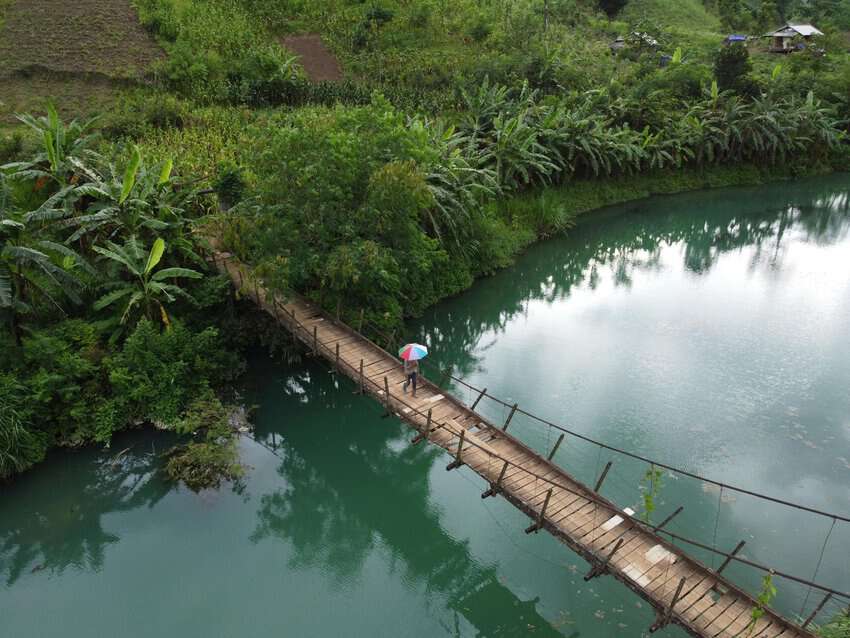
x,y
681,589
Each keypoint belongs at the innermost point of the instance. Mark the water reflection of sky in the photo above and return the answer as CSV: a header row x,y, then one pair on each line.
x,y
709,331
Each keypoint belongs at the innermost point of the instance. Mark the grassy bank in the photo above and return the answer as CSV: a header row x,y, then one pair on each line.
x,y
553,208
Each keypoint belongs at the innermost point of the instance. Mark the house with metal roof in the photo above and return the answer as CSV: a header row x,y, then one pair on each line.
x,y
791,37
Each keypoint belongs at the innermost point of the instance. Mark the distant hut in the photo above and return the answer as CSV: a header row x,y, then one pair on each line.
x,y
783,39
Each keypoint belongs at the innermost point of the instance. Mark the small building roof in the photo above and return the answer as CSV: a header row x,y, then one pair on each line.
x,y
792,30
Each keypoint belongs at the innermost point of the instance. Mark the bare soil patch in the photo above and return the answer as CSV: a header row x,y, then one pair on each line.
x,y
319,63
69,52
87,36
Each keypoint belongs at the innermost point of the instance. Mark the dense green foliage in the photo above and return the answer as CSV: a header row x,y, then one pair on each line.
x,y
364,208
838,627
460,133
76,362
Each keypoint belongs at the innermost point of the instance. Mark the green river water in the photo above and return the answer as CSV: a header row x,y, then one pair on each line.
x,y
709,330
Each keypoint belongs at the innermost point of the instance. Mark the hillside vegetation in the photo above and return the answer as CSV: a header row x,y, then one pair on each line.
x,y
459,133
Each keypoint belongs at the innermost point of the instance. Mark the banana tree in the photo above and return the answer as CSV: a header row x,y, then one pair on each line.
x,y
139,285
132,202
63,146
32,268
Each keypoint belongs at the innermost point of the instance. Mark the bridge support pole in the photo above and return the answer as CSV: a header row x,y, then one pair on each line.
x,y
336,359
729,558
555,449
387,397
496,487
315,341
668,519
663,619
423,434
480,396
510,416
539,524
602,568
458,461
602,476
817,609
239,272
360,322
361,389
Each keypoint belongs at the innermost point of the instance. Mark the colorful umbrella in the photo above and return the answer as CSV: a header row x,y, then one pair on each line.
x,y
413,352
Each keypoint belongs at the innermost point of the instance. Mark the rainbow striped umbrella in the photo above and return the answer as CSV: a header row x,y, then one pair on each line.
x,y
413,352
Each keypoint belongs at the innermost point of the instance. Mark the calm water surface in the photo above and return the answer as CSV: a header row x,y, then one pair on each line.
x,y
709,330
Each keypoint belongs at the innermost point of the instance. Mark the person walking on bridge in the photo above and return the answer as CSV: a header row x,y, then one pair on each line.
x,y
410,354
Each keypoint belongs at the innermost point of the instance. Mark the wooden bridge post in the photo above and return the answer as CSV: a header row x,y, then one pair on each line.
x,y
423,435
360,321
602,568
338,308
458,461
510,416
496,487
555,449
275,308
668,519
662,620
239,272
729,558
387,395
602,477
817,609
315,341
539,524
360,381
336,359
480,396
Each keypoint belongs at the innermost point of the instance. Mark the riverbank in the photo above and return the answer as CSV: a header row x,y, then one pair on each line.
x,y
537,215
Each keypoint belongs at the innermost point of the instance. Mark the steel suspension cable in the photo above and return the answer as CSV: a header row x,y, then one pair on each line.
x,y
588,494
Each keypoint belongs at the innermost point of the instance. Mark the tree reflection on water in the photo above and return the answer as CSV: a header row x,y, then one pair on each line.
x,y
632,241
54,534
351,487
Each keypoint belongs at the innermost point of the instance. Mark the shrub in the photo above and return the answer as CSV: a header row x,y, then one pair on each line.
x,y
732,68
204,463
480,31
156,374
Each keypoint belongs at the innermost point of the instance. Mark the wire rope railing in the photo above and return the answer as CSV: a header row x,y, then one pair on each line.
x,y
370,386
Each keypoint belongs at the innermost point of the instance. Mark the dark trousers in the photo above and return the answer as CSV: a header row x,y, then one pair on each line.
x,y
411,378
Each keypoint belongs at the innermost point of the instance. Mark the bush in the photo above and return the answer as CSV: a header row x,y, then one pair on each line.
x,y
480,31
21,445
732,68
156,374
139,114
204,463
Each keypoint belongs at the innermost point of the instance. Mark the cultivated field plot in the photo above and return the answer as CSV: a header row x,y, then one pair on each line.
x,y
66,50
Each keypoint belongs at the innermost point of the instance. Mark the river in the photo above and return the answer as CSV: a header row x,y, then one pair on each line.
x,y
710,331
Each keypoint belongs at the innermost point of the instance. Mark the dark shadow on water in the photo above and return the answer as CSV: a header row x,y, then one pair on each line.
x,y
49,533
355,483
